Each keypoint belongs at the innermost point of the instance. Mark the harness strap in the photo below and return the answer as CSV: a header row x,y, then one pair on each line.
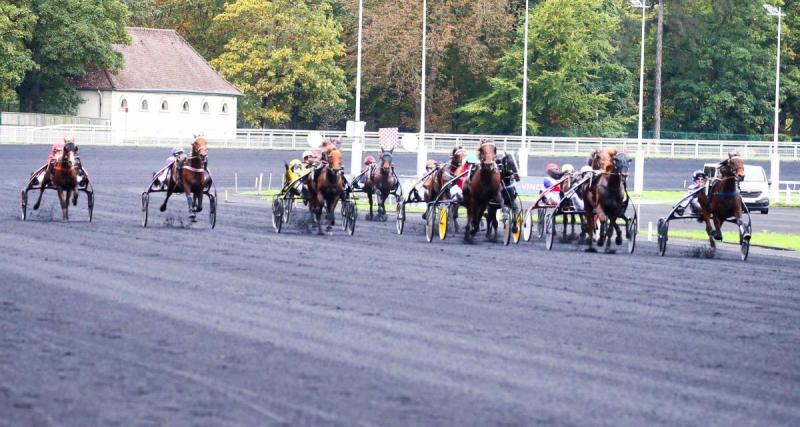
x,y
187,167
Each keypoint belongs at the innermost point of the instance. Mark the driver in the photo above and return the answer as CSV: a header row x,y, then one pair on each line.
x,y
698,181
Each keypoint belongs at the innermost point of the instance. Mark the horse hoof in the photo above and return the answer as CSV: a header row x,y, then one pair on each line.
x,y
618,241
199,209
162,208
590,249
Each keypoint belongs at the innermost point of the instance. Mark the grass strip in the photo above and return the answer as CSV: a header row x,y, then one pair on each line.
x,y
766,239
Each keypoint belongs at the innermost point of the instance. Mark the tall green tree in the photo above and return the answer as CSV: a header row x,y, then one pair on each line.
x,y
16,27
576,83
282,54
70,38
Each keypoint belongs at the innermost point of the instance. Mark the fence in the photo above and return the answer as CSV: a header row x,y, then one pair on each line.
x,y
39,120
278,139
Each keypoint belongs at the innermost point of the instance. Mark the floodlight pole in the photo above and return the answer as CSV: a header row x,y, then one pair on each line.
x,y
638,166
523,149
358,144
422,153
775,158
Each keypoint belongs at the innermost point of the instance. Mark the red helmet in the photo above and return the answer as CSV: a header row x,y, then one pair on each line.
x,y
369,160
551,166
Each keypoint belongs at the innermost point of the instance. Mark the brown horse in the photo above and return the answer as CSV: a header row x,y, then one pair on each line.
x,y
325,186
605,197
62,174
190,176
722,200
482,188
445,172
380,180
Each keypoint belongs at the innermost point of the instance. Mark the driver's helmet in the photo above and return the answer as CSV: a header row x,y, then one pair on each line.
x,y
176,151
698,174
369,160
567,168
307,154
472,158
586,168
551,167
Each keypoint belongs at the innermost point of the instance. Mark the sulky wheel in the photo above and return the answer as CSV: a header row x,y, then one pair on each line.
x,y
277,213
444,213
632,230
507,223
23,196
527,226
516,236
430,219
400,222
352,216
541,216
287,210
662,229
345,208
744,240
90,204
212,210
145,208
549,222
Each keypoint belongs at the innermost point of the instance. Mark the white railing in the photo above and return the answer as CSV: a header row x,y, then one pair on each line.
x,y
789,191
39,120
279,139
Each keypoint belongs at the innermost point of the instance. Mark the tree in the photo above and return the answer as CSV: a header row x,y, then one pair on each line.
x,y
576,83
16,27
282,55
70,38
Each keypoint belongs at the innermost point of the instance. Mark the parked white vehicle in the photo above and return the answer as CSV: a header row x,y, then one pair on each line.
x,y
754,188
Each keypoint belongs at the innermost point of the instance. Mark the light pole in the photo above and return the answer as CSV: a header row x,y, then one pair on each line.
x,y
358,145
775,158
638,165
523,149
422,153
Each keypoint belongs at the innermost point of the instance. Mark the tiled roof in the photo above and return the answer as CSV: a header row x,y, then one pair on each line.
x,y
159,60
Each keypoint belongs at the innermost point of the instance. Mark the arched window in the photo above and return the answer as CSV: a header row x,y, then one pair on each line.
x,y
185,107
164,105
123,105
205,107
144,106
225,108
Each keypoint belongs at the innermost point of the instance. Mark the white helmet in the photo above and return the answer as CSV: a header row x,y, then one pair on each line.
x,y
567,168
586,168
308,153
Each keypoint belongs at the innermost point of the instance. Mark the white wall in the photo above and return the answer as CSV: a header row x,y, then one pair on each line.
x,y
93,102
172,123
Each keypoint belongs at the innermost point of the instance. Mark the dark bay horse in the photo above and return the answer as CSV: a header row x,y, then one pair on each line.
x,y
482,188
189,176
509,175
325,187
445,172
722,200
62,174
605,197
381,181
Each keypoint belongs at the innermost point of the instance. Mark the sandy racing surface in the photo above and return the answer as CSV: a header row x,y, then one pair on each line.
x,y
107,323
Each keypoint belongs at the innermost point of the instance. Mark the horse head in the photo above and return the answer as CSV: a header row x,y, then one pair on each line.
x,y
510,170
334,159
386,161
66,156
200,148
602,160
621,164
735,165
487,154
457,156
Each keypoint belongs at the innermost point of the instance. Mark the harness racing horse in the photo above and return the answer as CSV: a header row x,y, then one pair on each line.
x,y
62,173
189,176
381,180
482,188
722,200
569,219
445,172
325,187
605,196
509,175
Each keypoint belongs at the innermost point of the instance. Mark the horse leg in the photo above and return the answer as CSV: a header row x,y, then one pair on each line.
x,y
572,235
41,190
468,227
190,202
717,233
590,230
198,197
164,205
368,216
64,204
618,240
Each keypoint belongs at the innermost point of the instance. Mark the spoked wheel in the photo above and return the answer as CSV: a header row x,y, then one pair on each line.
x,y
400,221
663,229
541,216
145,208
444,213
527,226
352,215
549,222
345,209
90,204
632,231
516,236
507,222
430,219
212,210
277,213
287,210
23,196
744,240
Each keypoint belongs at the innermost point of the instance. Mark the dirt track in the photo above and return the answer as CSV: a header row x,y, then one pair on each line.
x,y
106,323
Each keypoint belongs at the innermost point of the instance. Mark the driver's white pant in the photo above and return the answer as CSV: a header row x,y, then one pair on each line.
x,y
577,202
